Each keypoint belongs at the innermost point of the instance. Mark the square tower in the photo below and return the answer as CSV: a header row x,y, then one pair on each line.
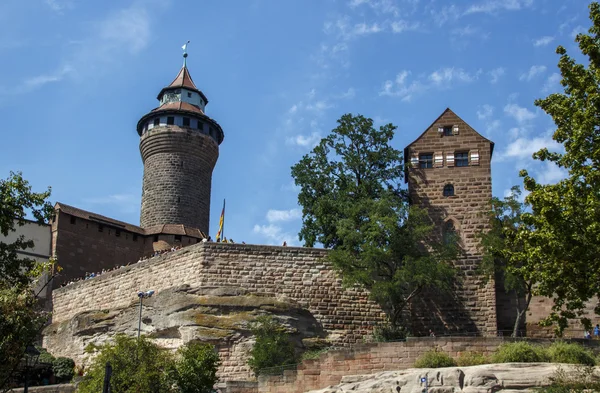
x,y
450,176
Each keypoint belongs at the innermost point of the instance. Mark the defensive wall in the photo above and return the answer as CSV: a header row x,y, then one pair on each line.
x,y
294,273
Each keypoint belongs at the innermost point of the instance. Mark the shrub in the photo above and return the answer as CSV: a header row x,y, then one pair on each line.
x,y
582,379
63,369
196,370
312,354
389,332
519,352
563,352
273,347
471,359
137,366
434,359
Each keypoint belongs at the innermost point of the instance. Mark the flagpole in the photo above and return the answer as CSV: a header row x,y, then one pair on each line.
x,y
223,227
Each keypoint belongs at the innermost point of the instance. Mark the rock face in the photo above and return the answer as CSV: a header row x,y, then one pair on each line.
x,y
505,378
173,317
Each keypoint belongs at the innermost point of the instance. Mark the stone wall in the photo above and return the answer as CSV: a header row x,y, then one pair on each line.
x,y
64,388
178,166
473,309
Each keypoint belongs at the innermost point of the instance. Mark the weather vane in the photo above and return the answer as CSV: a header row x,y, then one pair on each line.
x,y
184,47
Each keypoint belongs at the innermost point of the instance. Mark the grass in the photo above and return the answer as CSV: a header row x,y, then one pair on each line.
x,y
469,358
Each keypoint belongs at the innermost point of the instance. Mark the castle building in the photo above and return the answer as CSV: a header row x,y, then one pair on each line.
x,y
450,176
179,145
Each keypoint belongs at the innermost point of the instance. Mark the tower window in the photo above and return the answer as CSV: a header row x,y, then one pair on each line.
x,y
448,190
135,237
461,159
170,120
178,238
155,238
178,199
189,95
448,131
426,161
449,234
73,220
200,125
100,228
117,232
186,121
157,121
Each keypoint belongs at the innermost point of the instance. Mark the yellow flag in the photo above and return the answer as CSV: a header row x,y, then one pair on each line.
x,y
221,223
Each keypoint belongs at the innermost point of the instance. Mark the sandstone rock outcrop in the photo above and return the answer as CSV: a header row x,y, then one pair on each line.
x,y
504,378
219,315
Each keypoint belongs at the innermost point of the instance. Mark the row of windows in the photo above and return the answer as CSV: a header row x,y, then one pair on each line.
x,y
459,158
183,122
178,238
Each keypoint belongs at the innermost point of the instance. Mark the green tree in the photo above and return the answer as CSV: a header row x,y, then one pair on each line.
x,y
137,366
20,317
273,346
500,243
196,370
565,243
352,201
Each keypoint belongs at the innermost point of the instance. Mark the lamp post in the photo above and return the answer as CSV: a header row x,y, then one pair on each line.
x,y
31,358
142,296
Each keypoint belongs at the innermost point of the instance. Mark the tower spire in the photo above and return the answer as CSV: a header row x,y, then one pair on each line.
x,y
184,47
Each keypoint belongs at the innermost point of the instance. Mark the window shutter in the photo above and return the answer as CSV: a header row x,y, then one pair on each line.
x,y
438,159
441,130
455,130
450,159
414,160
474,157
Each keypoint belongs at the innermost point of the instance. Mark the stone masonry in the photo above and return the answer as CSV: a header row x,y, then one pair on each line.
x,y
473,309
178,166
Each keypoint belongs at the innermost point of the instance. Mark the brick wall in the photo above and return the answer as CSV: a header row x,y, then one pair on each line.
x,y
296,273
473,309
178,165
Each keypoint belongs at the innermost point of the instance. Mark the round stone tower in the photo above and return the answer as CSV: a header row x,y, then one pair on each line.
x,y
179,146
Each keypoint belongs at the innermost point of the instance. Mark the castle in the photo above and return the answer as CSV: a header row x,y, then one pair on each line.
x,y
209,288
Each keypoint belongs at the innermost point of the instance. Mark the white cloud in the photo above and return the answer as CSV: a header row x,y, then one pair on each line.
x,y
127,203
523,148
58,5
364,29
304,140
283,215
492,126
465,31
400,26
41,80
380,6
348,94
495,74
485,112
445,14
534,71
439,79
543,41
519,113
274,234
550,173
578,30
552,82
492,6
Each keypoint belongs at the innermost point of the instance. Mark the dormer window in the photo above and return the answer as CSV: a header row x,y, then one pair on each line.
x,y
448,131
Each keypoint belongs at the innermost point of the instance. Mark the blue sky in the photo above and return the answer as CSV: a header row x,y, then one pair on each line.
x,y
76,76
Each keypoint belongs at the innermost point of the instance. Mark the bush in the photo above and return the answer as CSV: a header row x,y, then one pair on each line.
x,y
582,379
196,370
434,359
273,347
519,352
63,369
389,332
137,366
471,359
563,352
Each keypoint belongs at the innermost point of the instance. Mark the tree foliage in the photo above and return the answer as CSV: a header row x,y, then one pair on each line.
x,y
196,368
137,366
352,202
273,346
20,317
565,243
502,249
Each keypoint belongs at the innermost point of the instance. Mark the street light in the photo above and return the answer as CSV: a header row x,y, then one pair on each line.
x,y
31,358
141,295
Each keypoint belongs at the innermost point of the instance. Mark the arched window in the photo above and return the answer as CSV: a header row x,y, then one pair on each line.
x,y
448,190
449,234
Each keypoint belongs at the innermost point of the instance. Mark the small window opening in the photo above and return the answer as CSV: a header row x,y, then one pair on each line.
x,y
448,190
170,120
189,95
178,238
73,220
186,121
157,121
155,238
461,159
178,199
100,228
117,232
426,161
449,233
448,131
135,237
